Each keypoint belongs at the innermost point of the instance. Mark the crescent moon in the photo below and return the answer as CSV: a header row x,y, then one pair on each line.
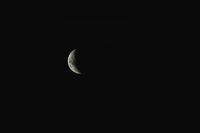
x,y
72,62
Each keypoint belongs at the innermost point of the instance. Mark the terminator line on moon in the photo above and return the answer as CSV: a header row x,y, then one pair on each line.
x,y
72,62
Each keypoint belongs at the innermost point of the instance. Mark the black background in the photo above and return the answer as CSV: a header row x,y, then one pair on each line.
x,y
125,69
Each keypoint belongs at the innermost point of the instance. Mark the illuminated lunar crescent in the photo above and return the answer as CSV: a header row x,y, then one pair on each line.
x,y
72,62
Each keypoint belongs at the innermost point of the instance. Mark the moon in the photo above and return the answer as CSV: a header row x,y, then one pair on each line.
x,y
72,62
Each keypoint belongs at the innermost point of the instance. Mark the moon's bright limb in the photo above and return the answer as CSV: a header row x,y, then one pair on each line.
x,y
72,62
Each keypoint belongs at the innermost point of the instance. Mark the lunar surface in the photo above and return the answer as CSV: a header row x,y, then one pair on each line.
x,y
72,62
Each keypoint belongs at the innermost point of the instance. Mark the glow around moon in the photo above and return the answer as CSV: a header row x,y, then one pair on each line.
x,y
72,62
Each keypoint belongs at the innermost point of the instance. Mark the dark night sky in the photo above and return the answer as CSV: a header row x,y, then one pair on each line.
x,y
125,69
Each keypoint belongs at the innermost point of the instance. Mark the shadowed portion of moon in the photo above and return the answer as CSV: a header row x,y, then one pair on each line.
x,y
94,61
72,62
